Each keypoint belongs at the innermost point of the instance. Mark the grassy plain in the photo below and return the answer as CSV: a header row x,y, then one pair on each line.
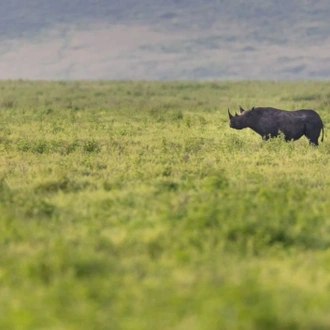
x,y
133,205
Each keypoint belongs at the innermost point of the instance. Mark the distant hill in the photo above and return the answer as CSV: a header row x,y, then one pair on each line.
x,y
165,39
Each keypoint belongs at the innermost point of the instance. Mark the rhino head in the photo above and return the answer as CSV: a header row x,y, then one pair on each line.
x,y
242,120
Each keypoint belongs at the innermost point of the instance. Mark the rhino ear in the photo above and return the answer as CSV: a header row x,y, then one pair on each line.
x,y
241,109
230,115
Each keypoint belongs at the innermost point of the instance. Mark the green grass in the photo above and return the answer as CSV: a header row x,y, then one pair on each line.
x,y
133,205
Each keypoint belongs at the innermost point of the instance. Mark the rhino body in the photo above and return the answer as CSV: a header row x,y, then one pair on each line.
x,y
270,122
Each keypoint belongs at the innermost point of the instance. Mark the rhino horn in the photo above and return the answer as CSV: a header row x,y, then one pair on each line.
x,y
230,115
241,109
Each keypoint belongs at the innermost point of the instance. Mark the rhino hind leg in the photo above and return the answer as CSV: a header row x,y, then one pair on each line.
x,y
313,142
312,135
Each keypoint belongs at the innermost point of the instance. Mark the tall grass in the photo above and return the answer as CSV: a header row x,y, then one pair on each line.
x,y
133,205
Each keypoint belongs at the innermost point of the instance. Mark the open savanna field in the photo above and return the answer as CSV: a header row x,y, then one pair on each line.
x,y
133,206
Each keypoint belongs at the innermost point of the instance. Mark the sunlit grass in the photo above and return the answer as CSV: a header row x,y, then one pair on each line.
x,y
133,205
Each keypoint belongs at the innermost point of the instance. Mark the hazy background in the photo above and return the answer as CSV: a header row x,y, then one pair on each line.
x,y
165,39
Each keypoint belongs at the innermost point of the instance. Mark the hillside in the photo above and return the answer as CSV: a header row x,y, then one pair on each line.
x,y
84,39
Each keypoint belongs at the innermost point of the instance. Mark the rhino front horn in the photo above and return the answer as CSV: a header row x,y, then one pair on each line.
x,y
230,115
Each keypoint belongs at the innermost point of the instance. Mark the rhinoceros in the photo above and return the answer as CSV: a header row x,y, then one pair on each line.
x,y
270,122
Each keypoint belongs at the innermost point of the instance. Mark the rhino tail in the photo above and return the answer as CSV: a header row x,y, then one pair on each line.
x,y
322,134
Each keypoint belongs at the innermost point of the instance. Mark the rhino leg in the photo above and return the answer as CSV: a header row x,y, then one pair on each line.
x,y
313,134
313,137
313,143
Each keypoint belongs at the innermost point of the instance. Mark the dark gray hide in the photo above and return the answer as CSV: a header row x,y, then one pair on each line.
x,y
270,122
